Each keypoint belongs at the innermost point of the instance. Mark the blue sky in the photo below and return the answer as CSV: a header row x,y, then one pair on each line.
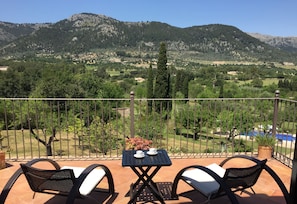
x,y
272,17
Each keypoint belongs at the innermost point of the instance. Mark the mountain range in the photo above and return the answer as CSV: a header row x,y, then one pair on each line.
x,y
285,43
86,32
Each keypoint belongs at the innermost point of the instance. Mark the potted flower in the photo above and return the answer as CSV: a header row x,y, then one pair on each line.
x,y
2,153
266,145
137,143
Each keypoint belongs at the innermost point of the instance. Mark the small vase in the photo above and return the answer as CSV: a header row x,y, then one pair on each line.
x,y
2,160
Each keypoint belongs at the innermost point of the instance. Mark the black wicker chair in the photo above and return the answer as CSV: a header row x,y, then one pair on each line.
x,y
73,182
214,181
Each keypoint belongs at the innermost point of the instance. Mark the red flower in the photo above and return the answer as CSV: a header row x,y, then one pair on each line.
x,y
137,143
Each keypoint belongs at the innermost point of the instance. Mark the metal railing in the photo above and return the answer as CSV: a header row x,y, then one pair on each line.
x,y
100,128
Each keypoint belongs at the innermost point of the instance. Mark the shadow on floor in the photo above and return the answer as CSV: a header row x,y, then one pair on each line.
x,y
196,197
94,197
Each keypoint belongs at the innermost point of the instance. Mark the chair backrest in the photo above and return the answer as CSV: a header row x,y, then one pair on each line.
x,y
242,178
40,180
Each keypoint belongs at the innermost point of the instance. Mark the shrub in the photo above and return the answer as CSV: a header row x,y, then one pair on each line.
x,y
265,140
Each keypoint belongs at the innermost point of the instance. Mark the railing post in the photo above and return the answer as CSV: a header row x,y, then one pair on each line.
x,y
275,113
132,114
293,186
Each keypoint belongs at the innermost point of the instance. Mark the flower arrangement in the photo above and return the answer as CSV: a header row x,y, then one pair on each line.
x,y
1,139
138,143
2,153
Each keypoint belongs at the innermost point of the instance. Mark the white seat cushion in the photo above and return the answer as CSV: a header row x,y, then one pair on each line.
x,y
90,182
205,183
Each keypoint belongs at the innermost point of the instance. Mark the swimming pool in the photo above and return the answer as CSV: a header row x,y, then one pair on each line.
x,y
286,137
279,136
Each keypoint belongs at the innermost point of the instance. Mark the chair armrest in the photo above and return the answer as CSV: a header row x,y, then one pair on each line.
x,y
52,162
88,178
216,179
242,157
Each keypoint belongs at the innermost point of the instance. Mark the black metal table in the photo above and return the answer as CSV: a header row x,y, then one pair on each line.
x,y
142,167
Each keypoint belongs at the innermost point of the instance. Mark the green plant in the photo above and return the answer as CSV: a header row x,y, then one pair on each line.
x,y
265,140
241,146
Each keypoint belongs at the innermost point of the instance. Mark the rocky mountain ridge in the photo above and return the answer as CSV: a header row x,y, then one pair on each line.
x,y
87,32
285,43
12,31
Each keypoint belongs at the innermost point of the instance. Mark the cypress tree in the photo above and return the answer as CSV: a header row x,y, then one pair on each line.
x,y
182,82
185,86
150,88
178,81
221,94
162,86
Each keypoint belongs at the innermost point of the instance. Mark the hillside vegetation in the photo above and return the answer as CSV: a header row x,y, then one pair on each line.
x,y
100,36
95,56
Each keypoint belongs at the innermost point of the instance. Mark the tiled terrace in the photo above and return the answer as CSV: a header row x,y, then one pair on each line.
x,y
266,189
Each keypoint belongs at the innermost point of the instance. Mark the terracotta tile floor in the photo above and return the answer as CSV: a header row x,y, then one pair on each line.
x,y
266,189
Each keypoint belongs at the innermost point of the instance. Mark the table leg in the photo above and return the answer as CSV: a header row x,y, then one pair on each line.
x,y
147,180
140,176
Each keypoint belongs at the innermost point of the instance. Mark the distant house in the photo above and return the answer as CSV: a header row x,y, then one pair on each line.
x,y
3,68
288,63
232,73
139,79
